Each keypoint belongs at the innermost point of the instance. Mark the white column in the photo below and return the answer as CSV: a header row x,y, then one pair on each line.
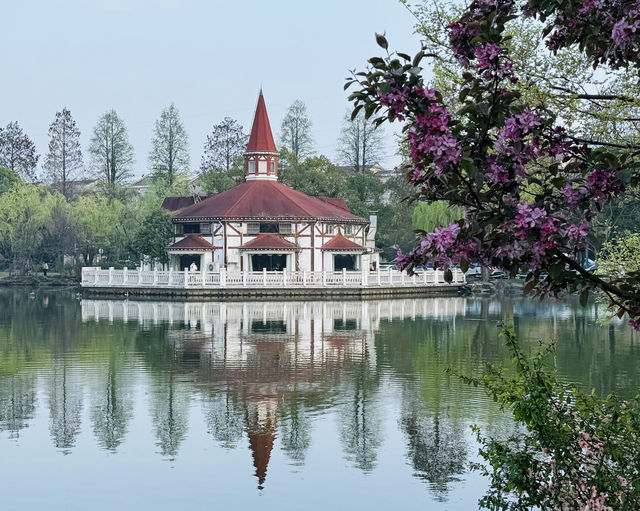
x,y
244,278
264,277
223,277
344,276
364,269
155,276
378,273
110,275
125,271
186,277
390,276
304,278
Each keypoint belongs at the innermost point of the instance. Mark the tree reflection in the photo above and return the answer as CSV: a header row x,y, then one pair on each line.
x,y
360,423
436,447
65,405
112,408
170,405
17,402
295,433
225,419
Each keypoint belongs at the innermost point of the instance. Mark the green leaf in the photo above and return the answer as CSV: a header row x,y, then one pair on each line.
x,y
448,276
529,287
464,265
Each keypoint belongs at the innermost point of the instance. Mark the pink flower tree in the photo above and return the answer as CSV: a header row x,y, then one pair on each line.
x,y
530,192
528,188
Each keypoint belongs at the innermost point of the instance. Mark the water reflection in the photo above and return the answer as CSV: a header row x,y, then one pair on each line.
x,y
267,376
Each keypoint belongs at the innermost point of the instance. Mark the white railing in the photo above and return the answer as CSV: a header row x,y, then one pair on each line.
x,y
125,278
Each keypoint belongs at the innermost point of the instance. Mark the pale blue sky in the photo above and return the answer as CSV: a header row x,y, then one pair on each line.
x,y
209,57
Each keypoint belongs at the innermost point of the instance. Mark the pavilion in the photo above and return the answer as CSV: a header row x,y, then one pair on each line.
x,y
264,224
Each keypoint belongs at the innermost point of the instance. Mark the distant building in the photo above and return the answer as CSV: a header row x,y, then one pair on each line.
x,y
263,224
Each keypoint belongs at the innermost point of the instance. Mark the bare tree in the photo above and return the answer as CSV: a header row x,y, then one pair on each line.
x,y
17,151
63,162
111,152
226,141
295,130
360,144
169,154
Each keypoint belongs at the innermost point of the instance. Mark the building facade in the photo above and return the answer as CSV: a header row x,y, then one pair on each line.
x,y
263,224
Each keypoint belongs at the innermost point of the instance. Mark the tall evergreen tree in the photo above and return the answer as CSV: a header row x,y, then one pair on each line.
x,y
111,153
169,154
63,162
226,142
360,144
295,130
17,151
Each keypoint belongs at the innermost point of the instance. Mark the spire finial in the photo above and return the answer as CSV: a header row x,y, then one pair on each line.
x,y
261,155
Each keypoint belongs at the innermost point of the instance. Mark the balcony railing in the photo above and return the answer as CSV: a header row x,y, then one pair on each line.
x,y
126,278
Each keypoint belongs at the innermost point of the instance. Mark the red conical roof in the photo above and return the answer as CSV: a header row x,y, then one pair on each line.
x,y
261,139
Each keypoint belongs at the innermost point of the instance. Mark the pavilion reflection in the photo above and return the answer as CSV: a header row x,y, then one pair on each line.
x,y
264,366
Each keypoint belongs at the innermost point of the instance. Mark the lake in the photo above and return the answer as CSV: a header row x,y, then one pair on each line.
x,y
114,404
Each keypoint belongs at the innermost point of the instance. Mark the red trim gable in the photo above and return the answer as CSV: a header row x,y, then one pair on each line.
x,y
267,241
191,242
339,242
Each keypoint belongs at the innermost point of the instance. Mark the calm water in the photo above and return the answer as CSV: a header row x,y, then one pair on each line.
x,y
283,405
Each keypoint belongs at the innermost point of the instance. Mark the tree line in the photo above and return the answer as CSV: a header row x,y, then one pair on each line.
x,y
71,221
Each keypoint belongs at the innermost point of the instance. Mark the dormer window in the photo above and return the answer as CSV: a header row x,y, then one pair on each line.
x,y
252,167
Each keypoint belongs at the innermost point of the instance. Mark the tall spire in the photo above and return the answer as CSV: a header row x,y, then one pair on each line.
x,y
262,154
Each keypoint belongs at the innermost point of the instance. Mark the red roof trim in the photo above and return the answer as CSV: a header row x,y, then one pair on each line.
x,y
261,139
192,242
257,200
266,241
339,242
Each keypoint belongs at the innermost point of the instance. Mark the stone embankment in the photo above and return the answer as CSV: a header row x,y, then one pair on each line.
x,y
39,281
495,287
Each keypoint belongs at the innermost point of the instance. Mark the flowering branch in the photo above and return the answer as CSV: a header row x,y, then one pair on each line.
x,y
529,190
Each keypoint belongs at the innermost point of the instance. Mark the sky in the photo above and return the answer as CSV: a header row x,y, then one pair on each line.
x,y
208,57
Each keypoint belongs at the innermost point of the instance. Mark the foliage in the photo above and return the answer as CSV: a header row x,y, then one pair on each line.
x,y
578,451
111,153
295,130
427,216
530,189
620,257
63,162
360,145
226,141
363,193
24,215
8,179
17,151
95,221
153,230
215,181
169,154
315,175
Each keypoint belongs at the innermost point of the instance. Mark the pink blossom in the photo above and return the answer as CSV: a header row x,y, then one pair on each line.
x,y
577,231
